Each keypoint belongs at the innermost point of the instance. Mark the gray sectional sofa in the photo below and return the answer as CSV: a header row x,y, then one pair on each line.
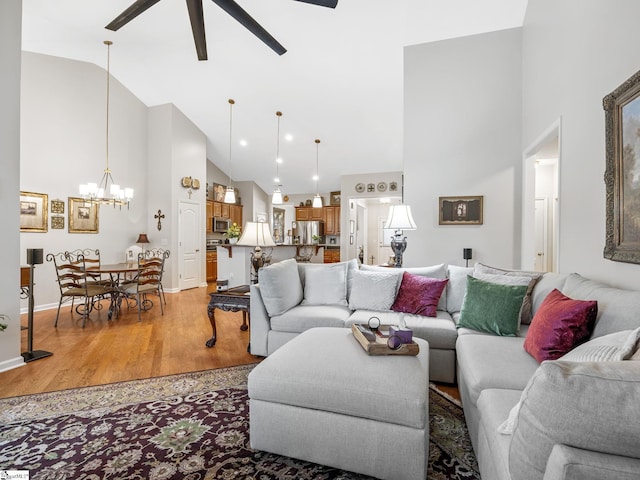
x,y
573,419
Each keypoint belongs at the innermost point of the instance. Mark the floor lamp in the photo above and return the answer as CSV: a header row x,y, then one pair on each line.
x,y
258,235
34,257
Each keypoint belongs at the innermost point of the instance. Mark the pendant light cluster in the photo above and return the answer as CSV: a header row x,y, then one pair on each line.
x,y
317,199
107,192
276,198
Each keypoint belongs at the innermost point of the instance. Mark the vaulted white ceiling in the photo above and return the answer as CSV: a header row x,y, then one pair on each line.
x,y
341,80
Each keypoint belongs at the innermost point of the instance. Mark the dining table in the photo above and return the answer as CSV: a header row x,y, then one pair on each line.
x,y
119,273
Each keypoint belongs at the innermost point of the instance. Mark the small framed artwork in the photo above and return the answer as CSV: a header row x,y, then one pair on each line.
x,y
261,217
83,216
57,206
218,192
33,212
622,207
57,222
334,198
464,210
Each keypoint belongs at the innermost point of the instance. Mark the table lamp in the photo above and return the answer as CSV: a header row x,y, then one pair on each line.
x,y
399,219
142,239
258,235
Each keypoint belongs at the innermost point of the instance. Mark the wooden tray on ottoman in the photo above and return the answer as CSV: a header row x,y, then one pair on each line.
x,y
379,347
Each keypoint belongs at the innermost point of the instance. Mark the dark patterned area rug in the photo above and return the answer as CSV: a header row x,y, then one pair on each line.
x,y
192,426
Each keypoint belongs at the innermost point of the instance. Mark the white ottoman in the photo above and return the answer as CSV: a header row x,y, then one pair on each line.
x,y
321,398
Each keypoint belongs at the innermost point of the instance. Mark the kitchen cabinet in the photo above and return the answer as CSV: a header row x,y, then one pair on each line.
x,y
235,214
317,213
212,266
332,220
331,255
303,213
209,216
217,209
226,212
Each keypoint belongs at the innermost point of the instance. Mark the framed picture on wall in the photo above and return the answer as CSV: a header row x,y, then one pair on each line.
x,y
463,210
33,212
622,147
83,216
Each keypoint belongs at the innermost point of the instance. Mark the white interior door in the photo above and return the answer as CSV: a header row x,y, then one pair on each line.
x,y
189,245
541,235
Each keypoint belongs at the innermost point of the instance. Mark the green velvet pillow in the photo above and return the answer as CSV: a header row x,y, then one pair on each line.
x,y
491,307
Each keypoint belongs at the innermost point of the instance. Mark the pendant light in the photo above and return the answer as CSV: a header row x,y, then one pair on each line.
x,y
107,192
276,198
317,200
230,193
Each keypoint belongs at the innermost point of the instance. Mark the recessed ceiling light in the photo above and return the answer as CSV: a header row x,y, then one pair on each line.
x,y
279,159
288,137
243,143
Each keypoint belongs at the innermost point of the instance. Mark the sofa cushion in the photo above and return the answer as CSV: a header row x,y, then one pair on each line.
x,y
374,290
617,308
585,405
543,287
489,361
326,284
439,331
526,311
492,308
351,265
280,286
456,287
419,295
432,271
559,325
301,318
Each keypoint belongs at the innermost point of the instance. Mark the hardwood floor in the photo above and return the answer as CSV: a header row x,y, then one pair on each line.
x,y
107,351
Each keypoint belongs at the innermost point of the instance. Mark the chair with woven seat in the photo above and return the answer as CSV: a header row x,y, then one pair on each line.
x,y
163,254
74,282
147,282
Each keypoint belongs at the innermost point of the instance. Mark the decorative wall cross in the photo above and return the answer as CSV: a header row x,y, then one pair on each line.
x,y
159,216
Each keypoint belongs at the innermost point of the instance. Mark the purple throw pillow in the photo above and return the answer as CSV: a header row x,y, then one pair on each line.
x,y
559,325
419,295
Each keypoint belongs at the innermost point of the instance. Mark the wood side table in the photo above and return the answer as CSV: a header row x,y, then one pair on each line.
x,y
236,299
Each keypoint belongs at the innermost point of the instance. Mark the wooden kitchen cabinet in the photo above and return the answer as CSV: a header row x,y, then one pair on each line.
x,y
226,210
217,209
235,214
303,213
332,220
331,255
209,216
317,213
212,266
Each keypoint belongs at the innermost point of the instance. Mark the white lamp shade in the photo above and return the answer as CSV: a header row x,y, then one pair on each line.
x,y
256,234
317,201
400,218
276,198
230,195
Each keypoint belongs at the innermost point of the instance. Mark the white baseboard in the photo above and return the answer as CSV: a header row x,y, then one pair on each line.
x,y
12,363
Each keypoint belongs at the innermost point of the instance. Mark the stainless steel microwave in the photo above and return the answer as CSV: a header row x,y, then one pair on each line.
x,y
220,225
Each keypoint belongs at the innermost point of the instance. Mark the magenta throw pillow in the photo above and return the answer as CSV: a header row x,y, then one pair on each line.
x,y
559,325
419,295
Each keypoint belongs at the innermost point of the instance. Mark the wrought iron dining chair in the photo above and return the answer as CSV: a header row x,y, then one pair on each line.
x,y
163,254
74,282
147,282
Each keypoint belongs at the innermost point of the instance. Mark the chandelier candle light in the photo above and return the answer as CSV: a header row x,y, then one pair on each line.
x,y
276,198
317,200
107,191
230,194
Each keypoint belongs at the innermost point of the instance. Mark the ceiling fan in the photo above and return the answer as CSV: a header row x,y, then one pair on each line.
x,y
196,16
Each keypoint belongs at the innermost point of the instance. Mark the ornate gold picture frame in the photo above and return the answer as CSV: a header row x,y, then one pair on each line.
x,y
622,173
33,212
83,216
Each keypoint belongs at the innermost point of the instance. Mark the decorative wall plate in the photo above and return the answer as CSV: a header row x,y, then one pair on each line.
x,y
285,198
360,187
371,187
382,186
393,186
186,182
195,184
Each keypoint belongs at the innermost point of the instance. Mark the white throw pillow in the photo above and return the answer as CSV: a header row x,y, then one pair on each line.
x,y
374,290
609,348
326,285
280,286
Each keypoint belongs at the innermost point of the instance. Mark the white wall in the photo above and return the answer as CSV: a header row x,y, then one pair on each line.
x,y
574,53
462,136
62,141
10,58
